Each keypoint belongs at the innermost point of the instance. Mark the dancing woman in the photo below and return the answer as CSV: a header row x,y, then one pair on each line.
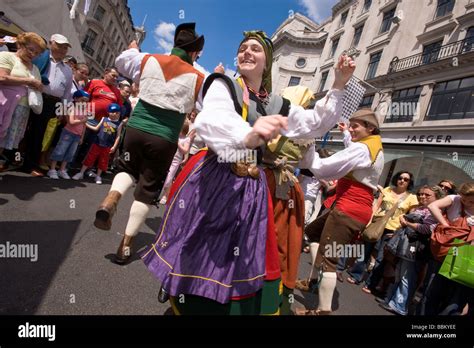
x,y
216,246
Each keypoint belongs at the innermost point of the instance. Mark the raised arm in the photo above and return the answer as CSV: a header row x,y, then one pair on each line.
x,y
437,207
128,63
339,164
327,111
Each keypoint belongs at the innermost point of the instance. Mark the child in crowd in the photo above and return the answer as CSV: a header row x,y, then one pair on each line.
x,y
184,144
71,136
109,129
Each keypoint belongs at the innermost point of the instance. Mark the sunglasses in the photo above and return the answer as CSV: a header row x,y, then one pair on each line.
x,y
404,179
445,187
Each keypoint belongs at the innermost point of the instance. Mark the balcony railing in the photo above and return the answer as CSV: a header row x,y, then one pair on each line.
x,y
444,52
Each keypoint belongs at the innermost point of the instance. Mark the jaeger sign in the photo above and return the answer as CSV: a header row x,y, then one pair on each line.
x,y
443,138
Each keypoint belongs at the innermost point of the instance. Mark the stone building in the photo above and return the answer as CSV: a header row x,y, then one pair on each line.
x,y
417,57
104,32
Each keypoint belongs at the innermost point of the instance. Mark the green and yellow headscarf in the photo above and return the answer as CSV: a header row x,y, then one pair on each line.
x,y
267,45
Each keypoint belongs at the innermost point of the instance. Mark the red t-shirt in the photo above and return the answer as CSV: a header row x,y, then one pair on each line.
x,y
102,95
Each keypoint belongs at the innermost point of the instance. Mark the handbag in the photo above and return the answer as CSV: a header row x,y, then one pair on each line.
x,y
375,228
443,237
458,264
35,101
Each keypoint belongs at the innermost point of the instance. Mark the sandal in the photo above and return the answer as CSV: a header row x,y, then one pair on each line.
x,y
366,290
302,284
351,280
310,312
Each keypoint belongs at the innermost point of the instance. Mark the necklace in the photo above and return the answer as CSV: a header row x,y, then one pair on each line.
x,y
262,96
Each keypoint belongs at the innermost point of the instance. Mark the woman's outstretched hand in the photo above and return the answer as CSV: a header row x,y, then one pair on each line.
x,y
265,129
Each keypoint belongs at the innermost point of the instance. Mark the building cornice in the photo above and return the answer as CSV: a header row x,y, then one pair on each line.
x,y
300,17
340,6
431,34
389,5
299,40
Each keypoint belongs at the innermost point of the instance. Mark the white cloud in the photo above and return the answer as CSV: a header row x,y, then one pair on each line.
x,y
164,35
230,72
201,69
318,10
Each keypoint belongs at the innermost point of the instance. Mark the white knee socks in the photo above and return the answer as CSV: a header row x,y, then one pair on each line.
x,y
326,290
138,213
313,248
122,182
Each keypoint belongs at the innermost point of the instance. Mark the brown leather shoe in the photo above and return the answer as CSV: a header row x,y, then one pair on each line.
x,y
103,216
124,250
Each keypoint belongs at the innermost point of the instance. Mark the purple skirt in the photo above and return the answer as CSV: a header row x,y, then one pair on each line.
x,y
212,238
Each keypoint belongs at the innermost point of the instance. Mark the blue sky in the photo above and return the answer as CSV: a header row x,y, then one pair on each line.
x,y
222,22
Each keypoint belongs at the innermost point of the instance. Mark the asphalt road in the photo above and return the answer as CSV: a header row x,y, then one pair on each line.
x,y
73,274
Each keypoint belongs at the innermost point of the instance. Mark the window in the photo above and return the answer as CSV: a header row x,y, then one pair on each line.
x,y
387,20
324,78
431,52
367,4
367,101
444,7
452,100
404,105
88,43
373,65
101,53
99,13
301,62
468,44
343,19
106,57
294,81
335,43
357,35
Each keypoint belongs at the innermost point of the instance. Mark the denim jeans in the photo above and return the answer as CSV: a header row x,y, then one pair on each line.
x,y
404,287
357,271
377,272
66,147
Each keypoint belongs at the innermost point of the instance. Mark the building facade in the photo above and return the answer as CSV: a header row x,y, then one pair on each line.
x,y
104,32
417,58
35,16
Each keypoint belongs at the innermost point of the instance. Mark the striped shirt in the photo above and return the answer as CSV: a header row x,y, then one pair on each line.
x,y
60,80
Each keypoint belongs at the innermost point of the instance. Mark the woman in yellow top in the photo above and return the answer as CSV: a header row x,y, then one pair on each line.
x,y
397,193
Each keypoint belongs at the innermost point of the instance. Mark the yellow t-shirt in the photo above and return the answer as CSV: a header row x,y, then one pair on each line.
x,y
389,200
10,61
